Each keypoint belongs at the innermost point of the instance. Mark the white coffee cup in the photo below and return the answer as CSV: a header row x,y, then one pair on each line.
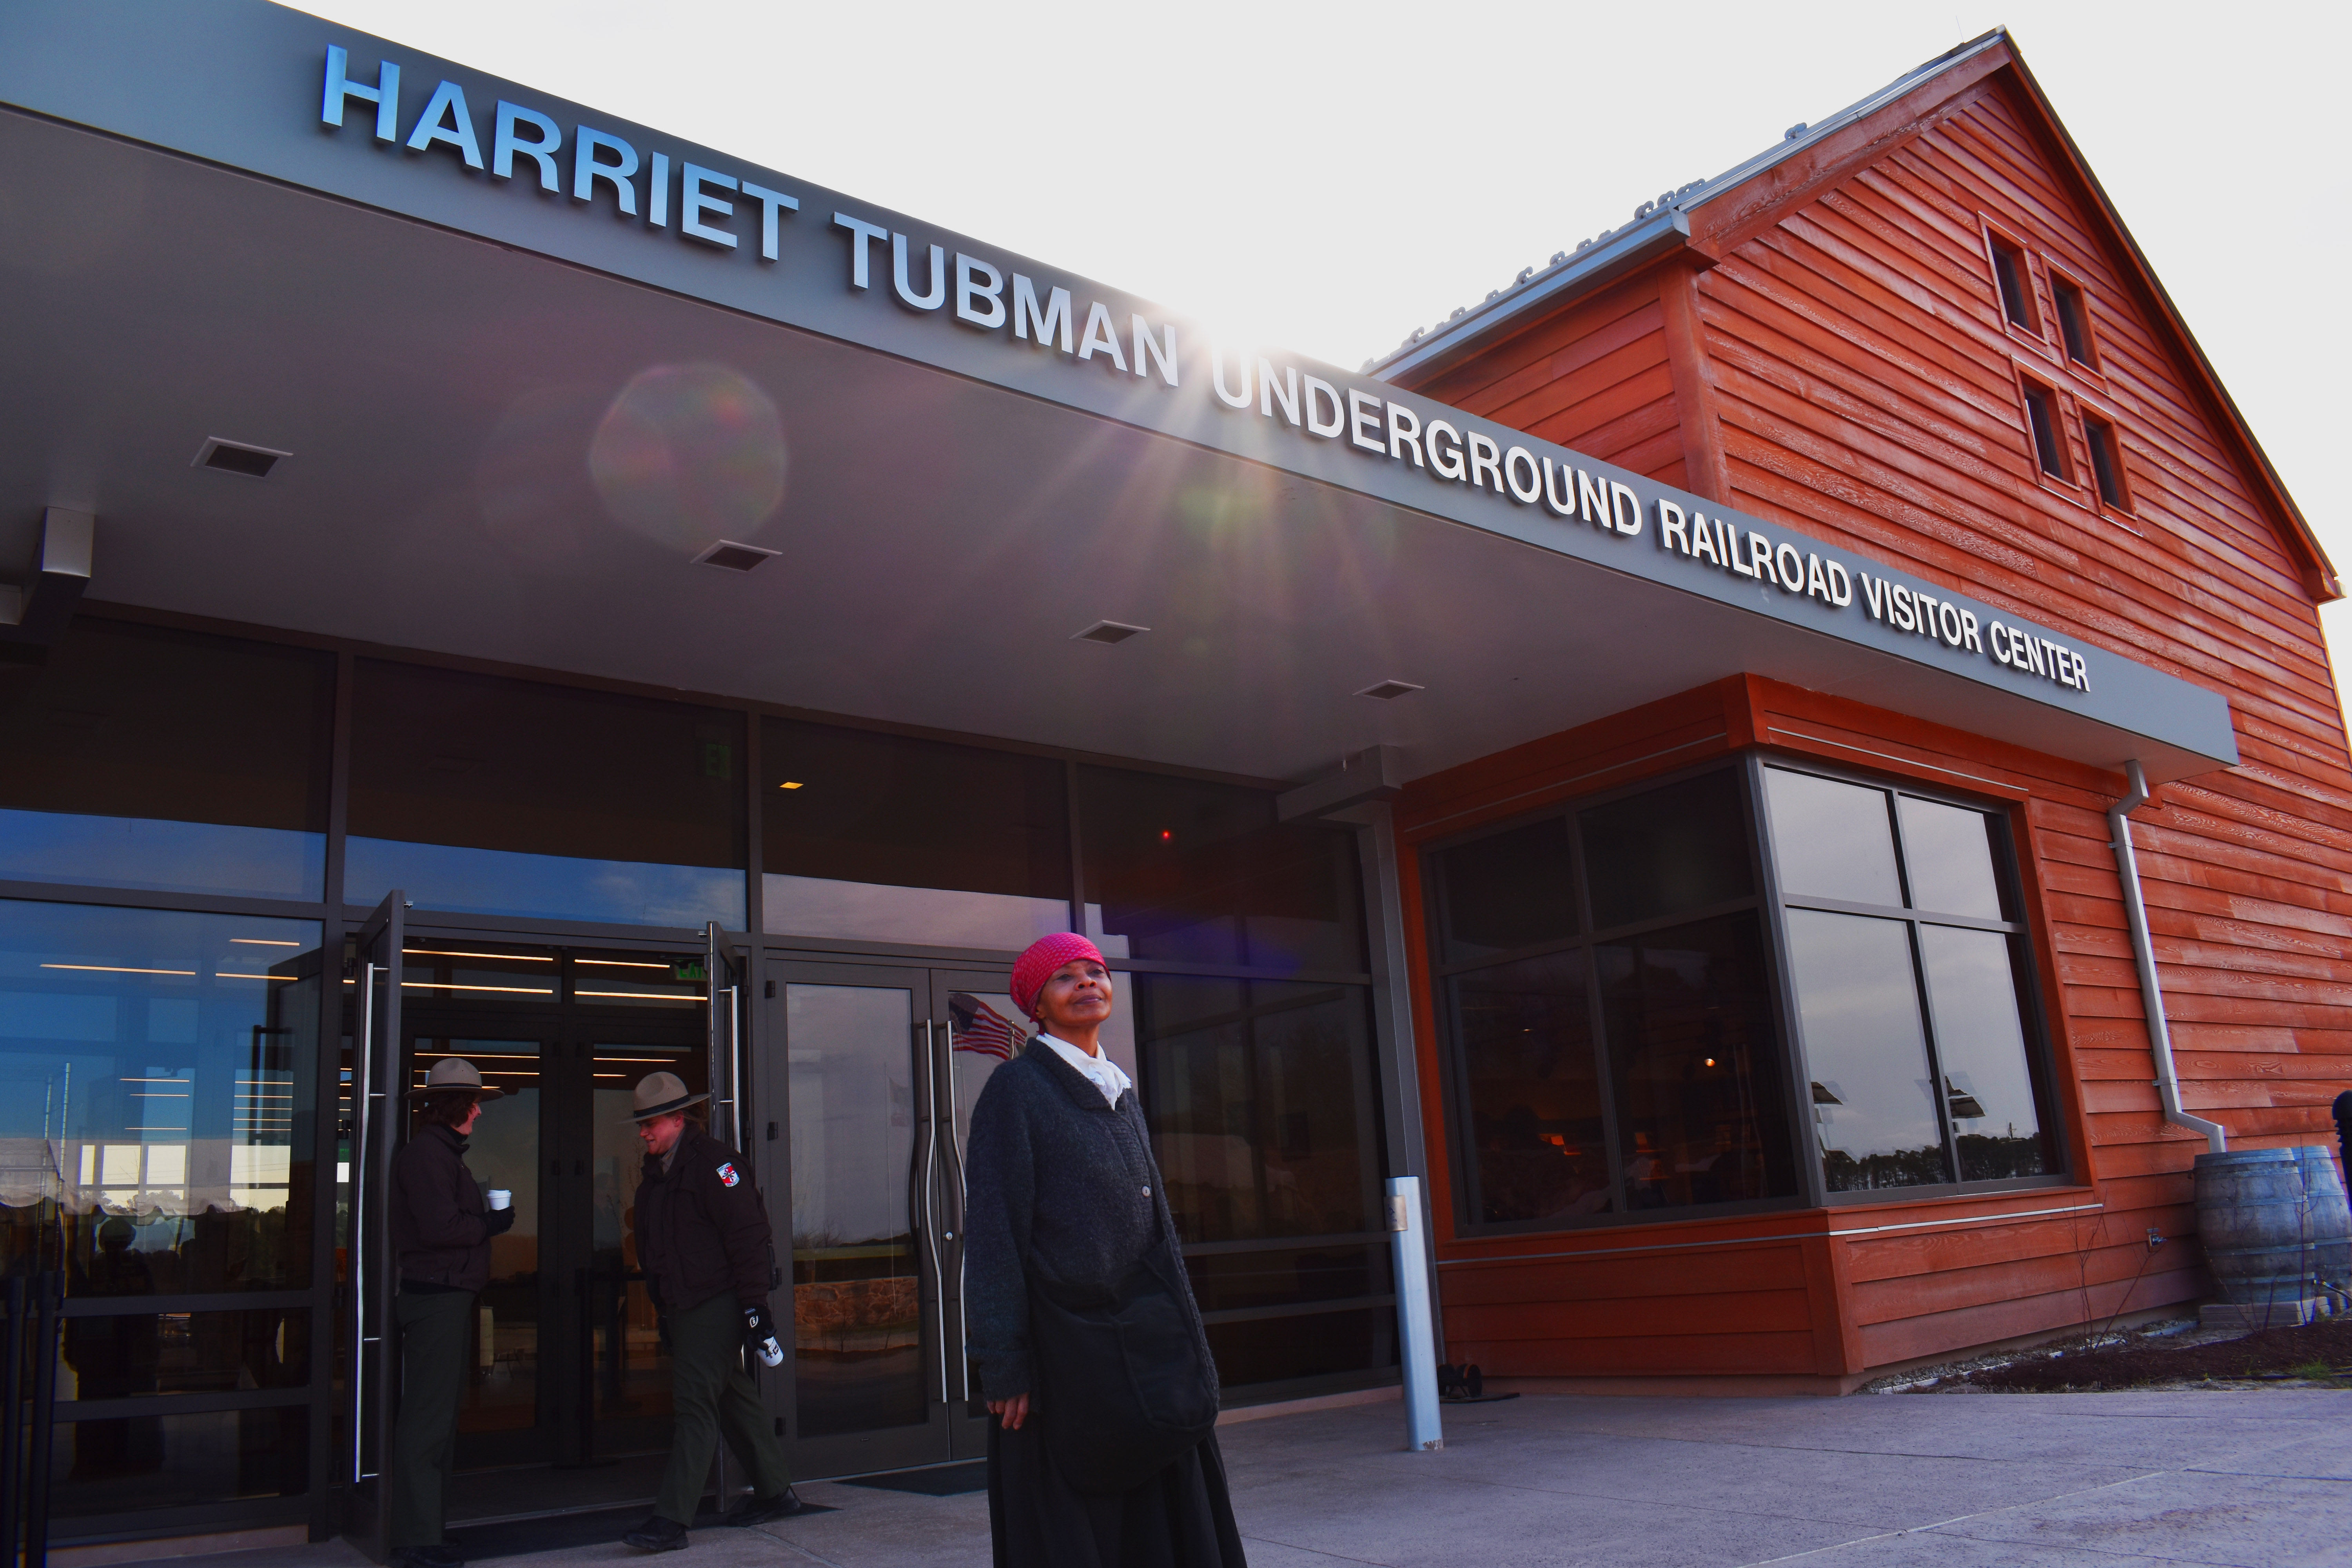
x,y
502,1198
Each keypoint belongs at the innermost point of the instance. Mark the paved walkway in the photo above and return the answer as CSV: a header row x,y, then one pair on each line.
x,y
2257,1479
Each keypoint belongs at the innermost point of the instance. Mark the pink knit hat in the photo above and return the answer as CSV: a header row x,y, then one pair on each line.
x,y
1038,965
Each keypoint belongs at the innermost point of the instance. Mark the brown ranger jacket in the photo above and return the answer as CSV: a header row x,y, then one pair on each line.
x,y
703,1228
438,1229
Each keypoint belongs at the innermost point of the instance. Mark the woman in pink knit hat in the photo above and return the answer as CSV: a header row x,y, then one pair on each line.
x,y
1103,1449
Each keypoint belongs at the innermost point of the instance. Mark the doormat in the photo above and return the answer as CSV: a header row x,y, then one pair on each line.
x,y
938,1480
569,1531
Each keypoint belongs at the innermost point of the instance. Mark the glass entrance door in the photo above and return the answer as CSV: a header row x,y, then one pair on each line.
x,y
881,1068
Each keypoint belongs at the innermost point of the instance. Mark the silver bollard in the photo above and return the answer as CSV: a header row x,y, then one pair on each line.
x,y
1416,1329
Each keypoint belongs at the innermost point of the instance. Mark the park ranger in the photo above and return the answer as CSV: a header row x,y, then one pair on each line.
x,y
708,1255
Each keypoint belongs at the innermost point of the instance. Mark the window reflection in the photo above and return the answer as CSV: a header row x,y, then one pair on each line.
x,y
1179,869
1508,890
496,796
105,1466
1680,847
1534,1089
1831,840
1948,852
885,839
1873,1104
1989,1090
139,757
136,1355
156,1097
1259,1094
1695,1064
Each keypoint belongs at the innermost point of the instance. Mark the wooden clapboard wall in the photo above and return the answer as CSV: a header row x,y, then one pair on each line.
x,y
1832,353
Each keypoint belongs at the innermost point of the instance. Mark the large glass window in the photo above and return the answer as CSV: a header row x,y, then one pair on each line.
x,y
1635,1064
1183,869
1266,1127
1907,959
157,1091
493,796
884,839
138,757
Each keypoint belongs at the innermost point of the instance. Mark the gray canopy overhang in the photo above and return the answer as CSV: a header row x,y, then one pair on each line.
x,y
191,252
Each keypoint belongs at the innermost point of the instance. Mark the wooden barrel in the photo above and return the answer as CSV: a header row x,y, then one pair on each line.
x,y
2251,1213
2331,1221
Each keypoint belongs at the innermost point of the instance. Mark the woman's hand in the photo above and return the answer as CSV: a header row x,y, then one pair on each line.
x,y
1012,1412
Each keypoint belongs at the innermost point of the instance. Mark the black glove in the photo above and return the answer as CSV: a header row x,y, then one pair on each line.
x,y
497,1222
760,1335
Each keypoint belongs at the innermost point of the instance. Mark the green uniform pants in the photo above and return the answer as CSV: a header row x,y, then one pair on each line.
x,y
711,1393
434,1331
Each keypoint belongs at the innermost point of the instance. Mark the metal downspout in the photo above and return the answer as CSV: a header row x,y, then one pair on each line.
x,y
2151,994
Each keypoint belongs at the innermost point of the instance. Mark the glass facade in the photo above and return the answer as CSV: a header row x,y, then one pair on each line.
x,y
1615,1035
484,795
138,757
1912,988
883,838
161,1142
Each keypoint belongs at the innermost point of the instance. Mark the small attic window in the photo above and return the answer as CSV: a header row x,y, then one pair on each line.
x,y
2073,321
2106,462
2016,285
2041,419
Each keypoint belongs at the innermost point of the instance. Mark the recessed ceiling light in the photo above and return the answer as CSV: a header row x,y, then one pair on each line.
x,y
792,784
1107,632
733,556
1390,690
236,457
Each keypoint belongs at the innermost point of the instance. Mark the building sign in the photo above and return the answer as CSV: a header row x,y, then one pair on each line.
x,y
874,265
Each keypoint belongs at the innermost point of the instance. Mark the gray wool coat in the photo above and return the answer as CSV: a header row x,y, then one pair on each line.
x,y
1062,1188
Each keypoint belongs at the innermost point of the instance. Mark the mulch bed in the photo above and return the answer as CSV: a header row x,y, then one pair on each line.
x,y
2316,1351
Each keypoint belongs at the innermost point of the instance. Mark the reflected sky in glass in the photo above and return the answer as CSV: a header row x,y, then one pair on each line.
x,y
1866,1050
1832,840
1948,852
550,887
171,857
928,916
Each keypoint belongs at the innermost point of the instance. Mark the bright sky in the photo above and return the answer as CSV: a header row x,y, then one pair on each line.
x,y
1328,177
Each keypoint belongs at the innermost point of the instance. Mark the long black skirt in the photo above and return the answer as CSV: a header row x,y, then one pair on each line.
x,y
1181,1518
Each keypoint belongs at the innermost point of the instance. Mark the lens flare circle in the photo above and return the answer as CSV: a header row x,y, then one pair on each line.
x,y
690,454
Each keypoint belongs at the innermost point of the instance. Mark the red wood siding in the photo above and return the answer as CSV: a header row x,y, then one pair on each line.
x,y
1845,367
1595,378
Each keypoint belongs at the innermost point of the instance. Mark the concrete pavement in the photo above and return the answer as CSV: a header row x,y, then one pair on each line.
x,y
2257,1479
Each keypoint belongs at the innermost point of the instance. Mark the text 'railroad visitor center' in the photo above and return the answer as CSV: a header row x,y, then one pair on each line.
x,y
482,579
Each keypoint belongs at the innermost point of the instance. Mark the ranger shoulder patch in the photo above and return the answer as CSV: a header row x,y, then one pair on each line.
x,y
729,1175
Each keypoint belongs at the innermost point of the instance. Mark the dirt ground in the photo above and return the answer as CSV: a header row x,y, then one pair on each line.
x,y
2168,1355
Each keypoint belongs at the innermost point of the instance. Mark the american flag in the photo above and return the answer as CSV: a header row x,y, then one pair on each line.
x,y
981,1029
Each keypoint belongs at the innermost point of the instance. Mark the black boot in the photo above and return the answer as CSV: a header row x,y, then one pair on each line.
x,y
657,1534
760,1510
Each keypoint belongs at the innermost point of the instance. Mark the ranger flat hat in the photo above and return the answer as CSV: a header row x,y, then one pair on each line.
x,y
659,1093
456,1072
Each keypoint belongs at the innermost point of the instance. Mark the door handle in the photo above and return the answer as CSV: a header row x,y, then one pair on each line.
x,y
955,1157
930,1219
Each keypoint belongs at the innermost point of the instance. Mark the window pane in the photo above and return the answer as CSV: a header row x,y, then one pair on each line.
x,y
1695,1064
1858,1003
140,1355
1226,1281
509,798
113,1468
1680,847
1987,1079
1526,1038
156,1097
1313,1345
138,757
1260,1098
1832,839
1177,869
884,839
1507,891
1948,852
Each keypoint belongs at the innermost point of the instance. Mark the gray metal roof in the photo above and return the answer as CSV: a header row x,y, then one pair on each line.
x,y
1658,225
